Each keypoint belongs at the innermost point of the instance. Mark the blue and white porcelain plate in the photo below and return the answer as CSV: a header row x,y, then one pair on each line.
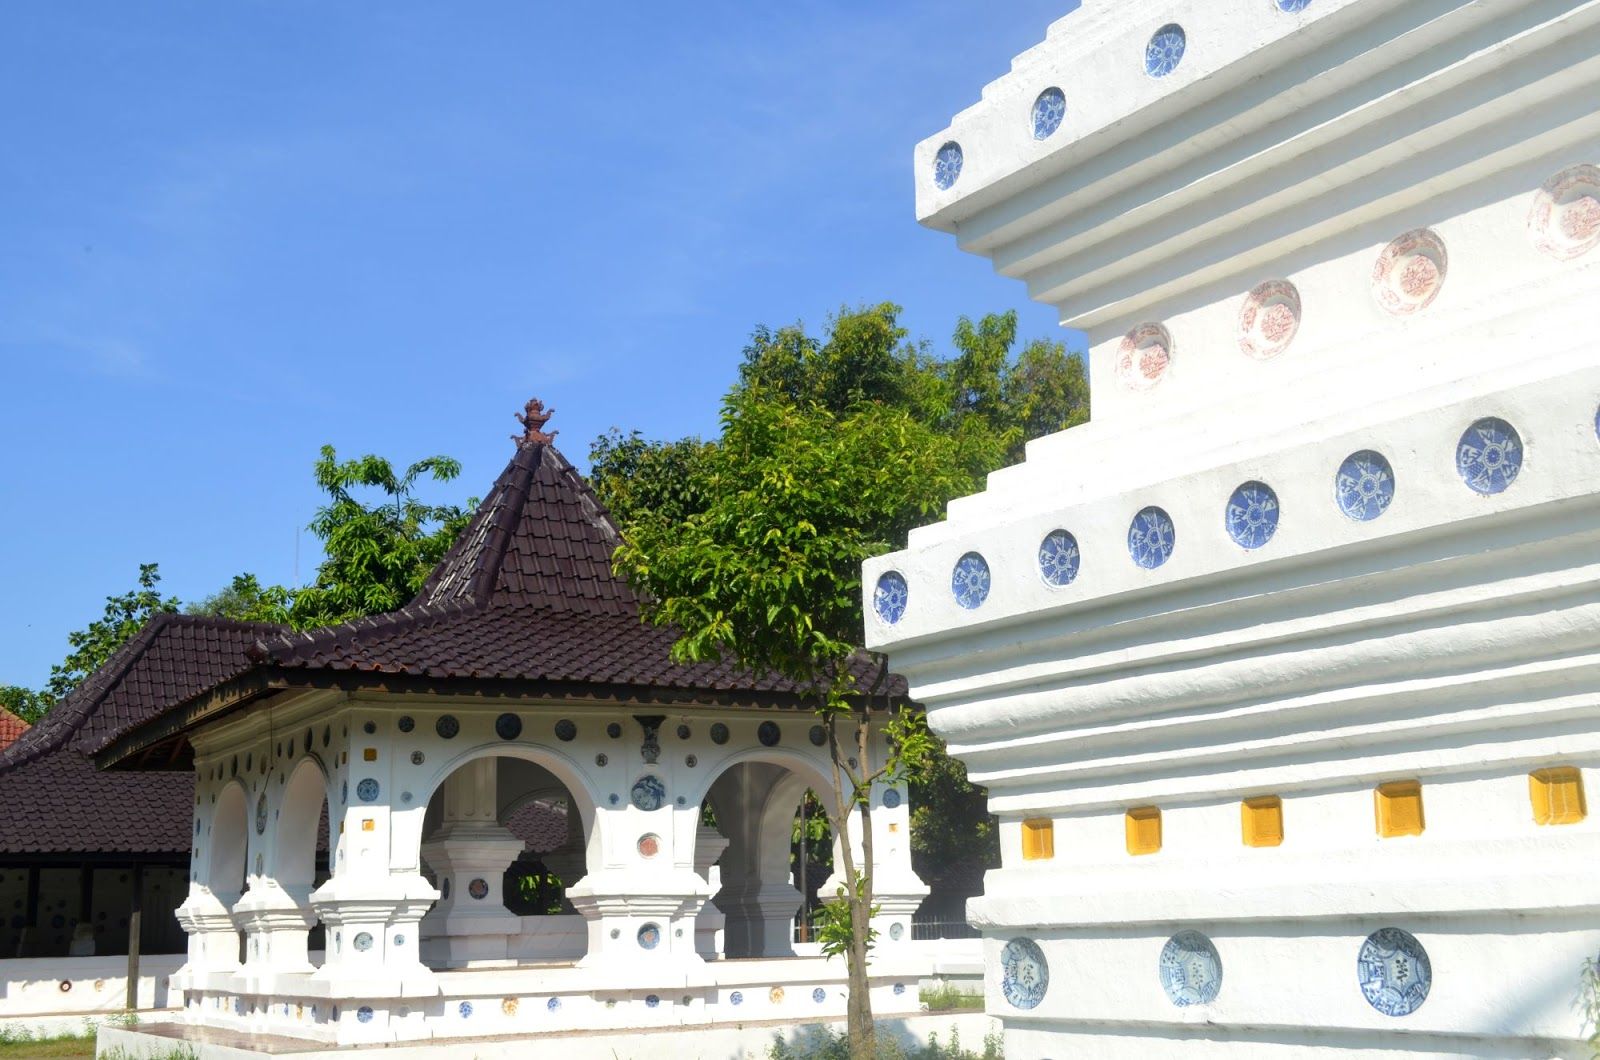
x,y
891,797
649,792
1364,486
508,726
1165,50
889,596
1394,972
1489,456
649,936
1191,971
947,166
367,790
969,582
1059,558
1024,973
1151,538
1252,515
1048,110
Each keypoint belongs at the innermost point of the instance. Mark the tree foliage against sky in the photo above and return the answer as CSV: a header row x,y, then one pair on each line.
x,y
832,448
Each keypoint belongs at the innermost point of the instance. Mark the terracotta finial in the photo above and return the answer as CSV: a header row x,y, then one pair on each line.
x,y
533,418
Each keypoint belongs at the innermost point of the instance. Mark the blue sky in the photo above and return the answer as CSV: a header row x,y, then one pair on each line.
x,y
234,232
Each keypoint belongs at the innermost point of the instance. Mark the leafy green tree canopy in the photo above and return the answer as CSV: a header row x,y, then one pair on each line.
x,y
831,450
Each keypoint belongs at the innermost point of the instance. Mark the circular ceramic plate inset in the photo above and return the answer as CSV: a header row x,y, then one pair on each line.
x,y
649,936
1151,537
969,581
649,792
947,166
1059,558
479,889
649,845
1394,972
1489,456
1565,220
1048,110
1191,971
1144,356
1364,486
1024,973
1269,319
1410,272
889,596
1251,516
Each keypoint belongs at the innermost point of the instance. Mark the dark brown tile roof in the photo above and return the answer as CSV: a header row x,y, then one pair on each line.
x,y
526,594
526,599
55,800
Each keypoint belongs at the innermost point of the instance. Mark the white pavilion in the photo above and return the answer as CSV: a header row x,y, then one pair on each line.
x,y
520,677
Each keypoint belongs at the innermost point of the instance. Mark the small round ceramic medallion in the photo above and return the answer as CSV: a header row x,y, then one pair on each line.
x,y
1024,973
1364,486
1144,356
889,597
1394,972
1489,455
1565,220
1269,319
479,889
1410,272
947,166
1191,971
649,792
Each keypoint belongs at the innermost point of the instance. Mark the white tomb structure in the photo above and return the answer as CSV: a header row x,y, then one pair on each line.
x,y
1283,673
521,675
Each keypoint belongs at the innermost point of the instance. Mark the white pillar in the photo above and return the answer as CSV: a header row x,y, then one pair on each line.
x,y
756,804
641,908
710,922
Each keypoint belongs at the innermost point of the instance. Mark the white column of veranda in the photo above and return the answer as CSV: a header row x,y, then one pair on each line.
x,y
756,804
373,903
641,903
897,890
216,871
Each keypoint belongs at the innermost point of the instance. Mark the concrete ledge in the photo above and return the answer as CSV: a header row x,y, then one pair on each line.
x,y
748,1041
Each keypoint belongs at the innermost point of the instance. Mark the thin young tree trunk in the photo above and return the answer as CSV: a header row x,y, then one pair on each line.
x,y
859,1025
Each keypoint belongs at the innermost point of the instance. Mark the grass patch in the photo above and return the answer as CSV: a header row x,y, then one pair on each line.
x,y
947,997
823,1043
15,1045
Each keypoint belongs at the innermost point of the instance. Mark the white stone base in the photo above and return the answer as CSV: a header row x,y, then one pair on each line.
x,y
745,1041
1202,1042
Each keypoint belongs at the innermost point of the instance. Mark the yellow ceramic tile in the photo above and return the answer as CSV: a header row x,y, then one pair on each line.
x,y
1399,808
1144,830
1038,840
1557,796
1262,821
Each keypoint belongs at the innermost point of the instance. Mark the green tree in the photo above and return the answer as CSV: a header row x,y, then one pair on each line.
x,y
245,600
661,480
831,450
25,703
375,556
768,574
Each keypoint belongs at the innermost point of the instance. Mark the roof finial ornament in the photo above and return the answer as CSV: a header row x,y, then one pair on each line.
x,y
533,418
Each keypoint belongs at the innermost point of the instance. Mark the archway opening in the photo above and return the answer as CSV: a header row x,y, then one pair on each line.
x,y
302,843
779,852
225,863
503,839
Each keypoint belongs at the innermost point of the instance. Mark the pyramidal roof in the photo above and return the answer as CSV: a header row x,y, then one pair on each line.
x,y
524,603
540,539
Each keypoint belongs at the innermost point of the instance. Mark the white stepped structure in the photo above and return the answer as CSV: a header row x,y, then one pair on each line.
x,y
1283,673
